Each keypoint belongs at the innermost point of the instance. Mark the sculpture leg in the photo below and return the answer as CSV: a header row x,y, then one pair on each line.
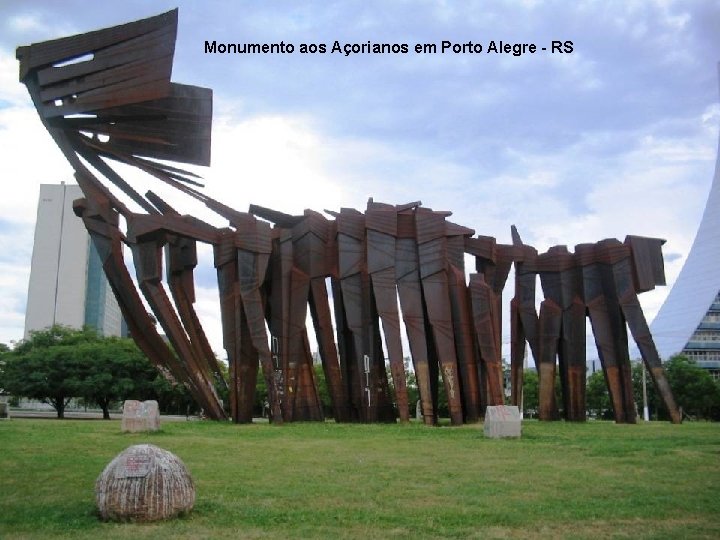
x,y
517,355
308,406
146,258
352,290
299,291
346,353
107,241
410,293
464,344
251,272
641,333
244,374
550,323
437,302
597,310
483,305
386,410
572,355
415,326
384,293
320,311
278,312
232,325
618,327
182,288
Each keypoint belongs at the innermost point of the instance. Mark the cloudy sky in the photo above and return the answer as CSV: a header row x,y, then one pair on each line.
x,y
617,137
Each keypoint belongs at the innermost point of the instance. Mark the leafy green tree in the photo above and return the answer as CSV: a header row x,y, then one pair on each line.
x,y
4,351
49,374
45,368
221,386
55,335
113,369
531,392
597,395
653,399
323,391
60,363
261,393
693,388
412,386
172,397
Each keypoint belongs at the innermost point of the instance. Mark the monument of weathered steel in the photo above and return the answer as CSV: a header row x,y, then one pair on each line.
x,y
107,96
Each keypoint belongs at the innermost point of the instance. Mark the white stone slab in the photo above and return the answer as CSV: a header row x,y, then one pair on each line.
x,y
502,421
140,416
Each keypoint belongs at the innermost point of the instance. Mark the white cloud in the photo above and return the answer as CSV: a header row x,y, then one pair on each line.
x,y
272,161
12,92
25,22
29,158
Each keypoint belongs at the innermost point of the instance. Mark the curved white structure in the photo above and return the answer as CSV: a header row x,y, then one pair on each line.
x,y
689,320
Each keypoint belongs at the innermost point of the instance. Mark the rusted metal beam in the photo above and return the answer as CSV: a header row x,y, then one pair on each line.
x,y
407,276
461,310
432,256
561,283
483,307
608,329
647,271
381,225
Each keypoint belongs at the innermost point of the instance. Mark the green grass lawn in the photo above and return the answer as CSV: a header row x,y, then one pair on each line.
x,y
561,480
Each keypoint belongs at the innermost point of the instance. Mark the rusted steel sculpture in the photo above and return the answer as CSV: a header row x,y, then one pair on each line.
x,y
523,315
381,226
303,258
107,96
563,334
407,275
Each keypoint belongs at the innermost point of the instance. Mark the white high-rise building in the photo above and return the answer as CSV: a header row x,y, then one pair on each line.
x,y
689,320
67,283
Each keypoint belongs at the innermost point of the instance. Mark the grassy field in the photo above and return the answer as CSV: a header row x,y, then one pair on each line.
x,y
593,480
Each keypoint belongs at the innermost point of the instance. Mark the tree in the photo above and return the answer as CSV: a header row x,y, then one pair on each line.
x,y
60,363
412,386
113,369
693,388
172,396
597,396
323,390
46,366
55,335
531,392
4,350
49,374
653,400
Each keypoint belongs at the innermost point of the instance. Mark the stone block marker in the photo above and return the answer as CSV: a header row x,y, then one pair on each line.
x,y
502,421
140,416
144,483
4,410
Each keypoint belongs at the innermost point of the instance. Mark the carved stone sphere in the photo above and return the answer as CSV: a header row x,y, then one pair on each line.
x,y
144,483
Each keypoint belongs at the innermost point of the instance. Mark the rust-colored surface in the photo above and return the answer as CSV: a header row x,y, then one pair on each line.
x,y
561,282
368,270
